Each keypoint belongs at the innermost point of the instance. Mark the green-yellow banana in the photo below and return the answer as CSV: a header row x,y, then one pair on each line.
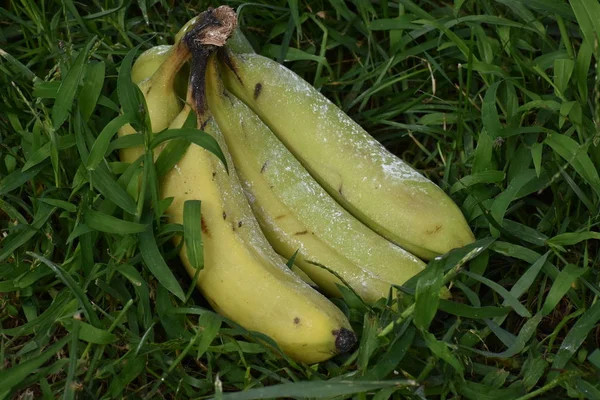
x,y
159,91
148,62
243,278
296,213
373,184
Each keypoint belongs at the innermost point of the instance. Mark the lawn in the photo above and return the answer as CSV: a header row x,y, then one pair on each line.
x,y
496,101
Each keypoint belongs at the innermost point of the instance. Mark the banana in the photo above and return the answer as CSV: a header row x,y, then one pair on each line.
x,y
295,212
148,62
158,90
377,187
243,278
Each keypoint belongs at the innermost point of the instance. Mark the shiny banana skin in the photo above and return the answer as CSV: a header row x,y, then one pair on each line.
x,y
296,213
243,278
377,187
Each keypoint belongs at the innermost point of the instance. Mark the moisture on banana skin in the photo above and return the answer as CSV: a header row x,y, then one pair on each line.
x,y
373,184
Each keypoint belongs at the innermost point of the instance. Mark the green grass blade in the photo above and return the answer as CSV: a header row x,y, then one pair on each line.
x,y
193,135
92,87
463,310
69,86
18,178
89,333
16,374
575,155
427,294
100,146
510,300
316,389
567,276
575,338
442,350
69,393
170,155
130,96
73,286
192,233
107,223
587,13
571,238
155,262
108,186
210,324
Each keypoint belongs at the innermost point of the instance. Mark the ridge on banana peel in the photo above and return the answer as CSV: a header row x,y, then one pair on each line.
x,y
295,213
243,278
377,187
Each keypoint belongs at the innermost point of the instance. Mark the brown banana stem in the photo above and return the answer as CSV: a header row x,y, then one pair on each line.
x,y
211,33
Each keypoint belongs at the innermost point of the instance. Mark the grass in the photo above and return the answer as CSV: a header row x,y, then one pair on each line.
x,y
496,101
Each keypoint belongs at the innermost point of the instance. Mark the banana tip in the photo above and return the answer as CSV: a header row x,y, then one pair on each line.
x,y
345,340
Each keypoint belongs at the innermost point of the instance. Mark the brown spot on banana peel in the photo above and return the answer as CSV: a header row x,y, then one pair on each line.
x,y
224,215
345,340
296,321
257,90
301,232
434,231
281,216
204,226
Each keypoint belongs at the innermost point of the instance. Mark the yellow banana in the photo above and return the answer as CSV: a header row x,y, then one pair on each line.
x,y
148,62
296,213
243,278
373,184
159,91
146,65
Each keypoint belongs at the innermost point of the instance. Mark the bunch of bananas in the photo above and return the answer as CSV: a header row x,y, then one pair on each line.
x,y
305,182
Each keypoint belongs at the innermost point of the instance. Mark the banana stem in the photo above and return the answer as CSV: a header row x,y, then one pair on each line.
x,y
197,83
202,41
